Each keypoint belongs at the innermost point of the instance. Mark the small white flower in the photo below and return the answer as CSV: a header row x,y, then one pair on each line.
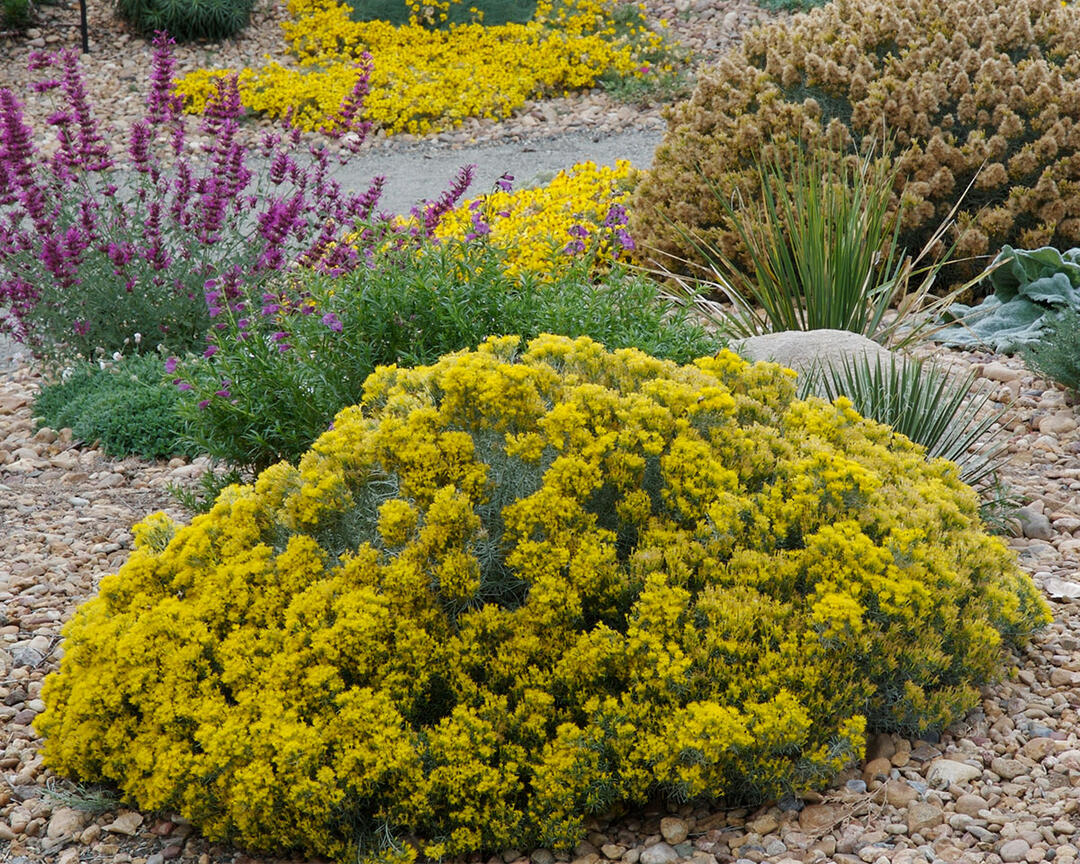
x,y
138,338
117,356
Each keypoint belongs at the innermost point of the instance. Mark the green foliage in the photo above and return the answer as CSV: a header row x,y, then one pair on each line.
x,y
406,308
186,20
16,14
918,398
511,590
125,406
660,86
823,254
1030,289
790,5
442,14
201,499
1057,354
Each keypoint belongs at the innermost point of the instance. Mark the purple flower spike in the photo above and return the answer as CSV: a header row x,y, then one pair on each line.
x,y
506,182
331,320
210,351
170,366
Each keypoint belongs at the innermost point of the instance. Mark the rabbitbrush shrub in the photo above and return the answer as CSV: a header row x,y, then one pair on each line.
x,y
505,593
950,85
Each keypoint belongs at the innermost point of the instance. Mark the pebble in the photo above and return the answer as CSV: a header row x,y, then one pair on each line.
x,y
674,830
949,772
659,853
1014,850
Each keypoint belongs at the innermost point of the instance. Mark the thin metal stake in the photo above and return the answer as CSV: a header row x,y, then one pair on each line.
x,y
82,27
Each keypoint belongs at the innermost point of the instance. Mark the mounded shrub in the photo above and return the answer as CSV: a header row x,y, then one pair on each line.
x,y
953,84
125,406
185,20
506,592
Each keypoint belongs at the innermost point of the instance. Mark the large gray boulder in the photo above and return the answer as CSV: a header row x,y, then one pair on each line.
x,y
807,350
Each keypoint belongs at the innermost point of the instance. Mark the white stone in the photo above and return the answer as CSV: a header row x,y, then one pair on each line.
x,y
949,772
809,350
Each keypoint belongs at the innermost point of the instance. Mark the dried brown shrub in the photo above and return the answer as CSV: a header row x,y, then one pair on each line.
x,y
952,84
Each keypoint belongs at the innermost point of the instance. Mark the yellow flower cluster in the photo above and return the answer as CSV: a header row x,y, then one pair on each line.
x,y
532,226
511,589
426,79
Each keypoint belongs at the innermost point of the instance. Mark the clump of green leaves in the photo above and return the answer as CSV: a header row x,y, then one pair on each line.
x,y
951,417
185,20
1057,354
16,14
125,406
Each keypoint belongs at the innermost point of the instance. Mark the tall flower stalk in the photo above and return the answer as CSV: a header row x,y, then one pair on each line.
x,y
93,253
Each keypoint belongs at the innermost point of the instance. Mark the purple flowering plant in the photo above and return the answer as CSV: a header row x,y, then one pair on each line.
x,y
162,243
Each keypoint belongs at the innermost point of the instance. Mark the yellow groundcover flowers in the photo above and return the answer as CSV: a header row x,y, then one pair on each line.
x,y
425,79
577,211
510,590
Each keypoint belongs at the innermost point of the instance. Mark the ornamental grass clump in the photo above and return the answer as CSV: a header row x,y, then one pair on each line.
x,y
509,591
981,92
94,249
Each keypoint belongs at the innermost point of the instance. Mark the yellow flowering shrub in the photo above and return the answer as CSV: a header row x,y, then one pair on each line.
x,y
507,591
424,79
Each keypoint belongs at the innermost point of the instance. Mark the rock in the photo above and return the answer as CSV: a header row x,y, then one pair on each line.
x,y
970,805
922,815
612,851
1039,748
819,817
674,830
1061,589
807,351
1062,678
881,746
1009,769
69,856
877,769
542,856
900,794
949,772
1069,760
661,853
128,823
1014,850
999,372
66,823
767,823
1034,525
1057,424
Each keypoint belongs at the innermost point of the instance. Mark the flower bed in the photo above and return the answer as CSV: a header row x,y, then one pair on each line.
x,y
426,79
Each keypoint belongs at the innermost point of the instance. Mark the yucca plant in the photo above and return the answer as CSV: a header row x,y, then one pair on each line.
x,y
951,417
823,249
